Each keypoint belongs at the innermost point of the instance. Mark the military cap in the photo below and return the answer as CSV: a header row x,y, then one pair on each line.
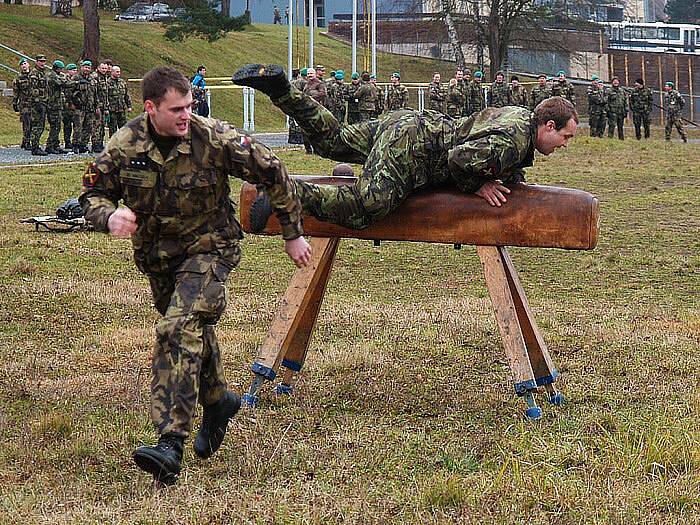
x,y
500,73
467,71
86,63
22,61
373,76
59,64
40,57
355,75
304,71
478,74
541,75
365,76
71,67
594,78
561,72
340,74
396,74
669,83
319,66
550,78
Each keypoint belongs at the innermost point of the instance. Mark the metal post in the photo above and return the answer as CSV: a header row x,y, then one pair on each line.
x,y
354,36
312,20
209,102
374,37
251,105
290,37
246,121
421,99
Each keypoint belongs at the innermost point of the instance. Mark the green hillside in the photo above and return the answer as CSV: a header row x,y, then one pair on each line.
x,y
137,47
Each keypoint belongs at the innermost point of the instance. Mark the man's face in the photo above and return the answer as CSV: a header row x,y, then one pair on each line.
x,y
549,138
85,70
171,117
638,85
562,77
394,81
477,80
116,72
542,81
203,71
72,72
459,75
355,80
41,63
24,67
372,80
103,68
436,77
310,74
616,83
514,83
667,88
500,79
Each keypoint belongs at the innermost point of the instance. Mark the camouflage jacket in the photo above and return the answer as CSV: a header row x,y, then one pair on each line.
x,y
477,102
182,203
57,82
119,99
102,90
299,83
640,100
538,94
597,100
436,97
39,85
617,101
83,92
367,96
564,89
498,95
397,98
517,96
455,101
316,89
353,101
673,102
22,92
336,95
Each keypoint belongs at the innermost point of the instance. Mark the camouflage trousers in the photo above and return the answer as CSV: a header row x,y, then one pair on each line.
x,y
616,119
83,132
186,361
54,117
98,130
116,120
71,123
673,120
25,117
354,117
38,121
596,123
641,119
392,150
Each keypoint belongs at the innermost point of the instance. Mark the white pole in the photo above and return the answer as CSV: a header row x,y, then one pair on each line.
x,y
374,37
290,36
246,122
312,19
251,93
209,102
354,36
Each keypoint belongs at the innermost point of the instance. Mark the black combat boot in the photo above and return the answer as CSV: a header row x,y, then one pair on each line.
x,y
214,423
83,149
98,148
39,151
25,145
260,212
269,79
163,460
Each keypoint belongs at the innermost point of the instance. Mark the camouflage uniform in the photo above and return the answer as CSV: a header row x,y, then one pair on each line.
x,y
71,119
436,97
616,110
367,100
22,104
38,81
538,94
565,90
379,103
640,104
102,103
54,108
477,101
119,102
337,96
498,95
186,242
517,96
397,98
353,104
404,151
84,100
455,100
673,104
597,102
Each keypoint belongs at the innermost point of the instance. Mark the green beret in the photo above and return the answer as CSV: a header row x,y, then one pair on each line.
x,y
304,71
59,64
396,74
561,72
355,76
22,61
340,75
550,78
594,78
372,76
71,67
478,74
86,63
669,83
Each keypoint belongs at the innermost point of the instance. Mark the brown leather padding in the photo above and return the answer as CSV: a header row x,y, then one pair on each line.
x,y
534,216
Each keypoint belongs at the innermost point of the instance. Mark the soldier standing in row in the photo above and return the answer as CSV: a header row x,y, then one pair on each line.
x,y
397,98
465,84
436,94
353,102
366,97
186,241
54,106
673,105
85,103
316,89
597,102
22,101
119,100
70,116
379,101
336,91
477,101
540,92
39,85
563,88
640,104
295,136
498,94
102,106
517,95
616,109
455,98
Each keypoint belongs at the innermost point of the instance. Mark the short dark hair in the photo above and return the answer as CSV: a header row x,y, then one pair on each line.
x,y
159,80
557,109
640,81
201,67
106,61
514,77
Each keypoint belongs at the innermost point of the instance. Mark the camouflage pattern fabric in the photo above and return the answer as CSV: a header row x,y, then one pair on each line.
x,y
498,95
597,101
397,97
353,103
102,100
616,110
538,94
22,104
85,101
55,105
406,150
119,102
336,95
39,86
436,97
477,101
366,96
565,90
673,105
641,104
186,242
517,96
455,100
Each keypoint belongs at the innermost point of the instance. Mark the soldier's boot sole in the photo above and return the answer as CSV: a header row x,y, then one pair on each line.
x,y
260,212
149,460
215,424
269,79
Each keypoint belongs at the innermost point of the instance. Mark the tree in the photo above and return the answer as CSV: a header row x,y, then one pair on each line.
x,y
683,11
202,19
91,31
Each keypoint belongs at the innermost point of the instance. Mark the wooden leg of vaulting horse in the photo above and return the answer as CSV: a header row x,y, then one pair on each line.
x,y
289,335
542,365
508,323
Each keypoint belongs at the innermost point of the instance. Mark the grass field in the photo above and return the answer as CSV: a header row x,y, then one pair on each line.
x,y
404,412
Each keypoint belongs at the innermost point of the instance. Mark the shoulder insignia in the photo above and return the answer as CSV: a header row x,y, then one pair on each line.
x,y
91,175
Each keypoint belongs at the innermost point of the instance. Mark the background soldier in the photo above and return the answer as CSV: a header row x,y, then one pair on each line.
x,y
22,102
199,92
353,102
39,86
295,135
316,89
498,95
477,101
101,77
673,105
455,99
540,92
436,94
379,103
397,98
119,101
85,102
596,107
366,96
276,15
616,109
70,116
54,107
640,104
517,96
336,95
563,88
466,82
